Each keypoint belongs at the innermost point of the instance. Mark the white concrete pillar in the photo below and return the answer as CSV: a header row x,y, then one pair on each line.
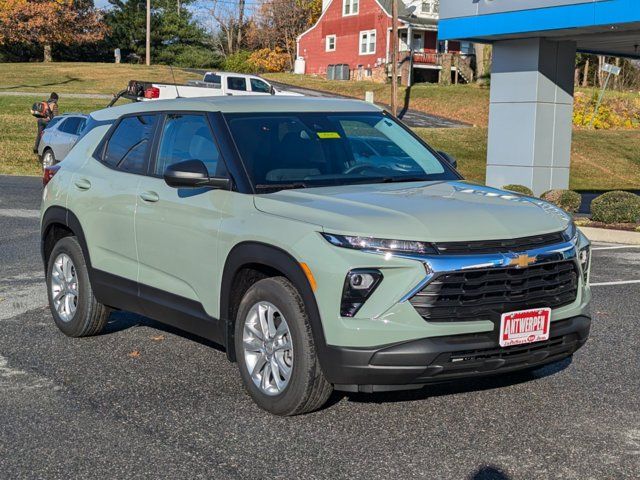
x,y
530,114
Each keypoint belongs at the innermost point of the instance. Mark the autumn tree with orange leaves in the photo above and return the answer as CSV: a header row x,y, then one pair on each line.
x,y
277,24
48,22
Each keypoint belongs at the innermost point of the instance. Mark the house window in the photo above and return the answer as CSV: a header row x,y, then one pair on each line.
x,y
350,7
430,6
330,45
368,42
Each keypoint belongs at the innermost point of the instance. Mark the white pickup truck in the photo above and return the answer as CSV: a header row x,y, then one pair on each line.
x,y
213,84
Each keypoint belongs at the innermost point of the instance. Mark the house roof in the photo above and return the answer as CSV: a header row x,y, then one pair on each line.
x,y
407,14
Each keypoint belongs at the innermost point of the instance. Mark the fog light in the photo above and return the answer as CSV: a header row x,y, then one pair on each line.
x,y
584,256
361,281
359,285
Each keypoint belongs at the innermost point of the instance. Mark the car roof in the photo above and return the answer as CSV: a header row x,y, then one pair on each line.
x,y
239,104
72,114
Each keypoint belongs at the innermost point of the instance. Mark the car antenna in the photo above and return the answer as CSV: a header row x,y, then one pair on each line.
x,y
175,84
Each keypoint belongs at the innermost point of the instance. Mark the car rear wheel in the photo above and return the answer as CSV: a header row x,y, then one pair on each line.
x,y
276,351
48,158
75,310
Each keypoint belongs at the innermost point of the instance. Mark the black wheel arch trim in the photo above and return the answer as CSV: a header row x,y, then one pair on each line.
x,y
253,252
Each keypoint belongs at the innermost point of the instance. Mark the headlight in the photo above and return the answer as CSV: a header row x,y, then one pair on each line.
x,y
379,244
570,232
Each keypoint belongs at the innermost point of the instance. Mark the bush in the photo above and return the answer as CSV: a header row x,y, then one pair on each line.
x,y
616,207
565,199
519,189
267,60
239,63
616,112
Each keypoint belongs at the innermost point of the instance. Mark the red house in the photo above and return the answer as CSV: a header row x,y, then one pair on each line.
x,y
357,33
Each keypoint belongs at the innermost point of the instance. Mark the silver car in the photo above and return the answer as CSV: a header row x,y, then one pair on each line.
x,y
59,137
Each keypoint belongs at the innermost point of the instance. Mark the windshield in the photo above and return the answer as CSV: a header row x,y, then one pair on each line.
x,y
301,150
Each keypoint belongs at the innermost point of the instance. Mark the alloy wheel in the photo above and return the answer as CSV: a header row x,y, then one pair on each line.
x,y
64,287
268,348
47,159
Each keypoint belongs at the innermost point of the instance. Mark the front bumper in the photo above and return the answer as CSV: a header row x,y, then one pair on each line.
x,y
415,363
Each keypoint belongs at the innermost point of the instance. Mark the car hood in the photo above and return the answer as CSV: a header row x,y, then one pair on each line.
x,y
428,211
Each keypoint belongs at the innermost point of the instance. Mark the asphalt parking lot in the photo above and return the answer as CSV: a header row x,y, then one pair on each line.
x,y
144,401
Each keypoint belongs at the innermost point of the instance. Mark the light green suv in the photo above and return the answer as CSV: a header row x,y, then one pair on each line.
x,y
321,242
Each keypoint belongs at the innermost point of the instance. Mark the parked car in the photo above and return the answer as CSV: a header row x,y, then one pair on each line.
x,y
214,84
59,137
231,83
249,222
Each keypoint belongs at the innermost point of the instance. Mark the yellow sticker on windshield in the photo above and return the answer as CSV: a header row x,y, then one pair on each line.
x,y
327,135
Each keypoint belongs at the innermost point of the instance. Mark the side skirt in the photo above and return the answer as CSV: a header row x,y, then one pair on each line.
x,y
164,307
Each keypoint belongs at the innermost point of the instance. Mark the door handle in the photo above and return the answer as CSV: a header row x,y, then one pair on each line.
x,y
83,184
150,197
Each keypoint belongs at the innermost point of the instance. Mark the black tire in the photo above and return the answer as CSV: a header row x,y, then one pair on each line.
x,y
307,390
90,317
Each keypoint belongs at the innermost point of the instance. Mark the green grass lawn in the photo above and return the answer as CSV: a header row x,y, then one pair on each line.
x,y
65,77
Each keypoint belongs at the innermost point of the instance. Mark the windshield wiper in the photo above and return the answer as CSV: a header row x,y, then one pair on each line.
x,y
403,179
274,187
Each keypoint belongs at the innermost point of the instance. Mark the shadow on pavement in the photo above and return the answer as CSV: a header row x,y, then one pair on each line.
x,y
455,387
120,321
489,472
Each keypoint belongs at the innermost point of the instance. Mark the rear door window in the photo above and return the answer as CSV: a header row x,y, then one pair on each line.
x,y
128,146
70,125
213,78
237,83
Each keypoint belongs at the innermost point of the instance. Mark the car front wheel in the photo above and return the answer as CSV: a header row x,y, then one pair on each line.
x,y
276,352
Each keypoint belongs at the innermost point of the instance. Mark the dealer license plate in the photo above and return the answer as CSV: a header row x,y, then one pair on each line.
x,y
525,326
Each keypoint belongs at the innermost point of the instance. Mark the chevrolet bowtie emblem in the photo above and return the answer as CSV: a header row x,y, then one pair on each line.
x,y
522,261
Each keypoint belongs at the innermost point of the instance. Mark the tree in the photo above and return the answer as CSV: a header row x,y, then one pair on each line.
x,y
231,23
175,35
279,22
48,22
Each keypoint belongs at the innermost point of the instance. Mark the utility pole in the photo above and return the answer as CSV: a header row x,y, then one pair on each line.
x,y
241,5
394,57
148,40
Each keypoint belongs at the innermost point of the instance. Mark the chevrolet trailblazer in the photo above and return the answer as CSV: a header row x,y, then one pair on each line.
x,y
320,241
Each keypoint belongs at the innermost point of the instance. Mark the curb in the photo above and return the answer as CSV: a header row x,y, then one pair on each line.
x,y
611,236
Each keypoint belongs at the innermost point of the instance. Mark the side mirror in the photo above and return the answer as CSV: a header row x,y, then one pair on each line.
x,y
192,174
450,160
272,90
